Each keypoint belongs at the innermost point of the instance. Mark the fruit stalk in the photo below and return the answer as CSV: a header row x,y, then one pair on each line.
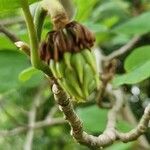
x,y
35,58
57,12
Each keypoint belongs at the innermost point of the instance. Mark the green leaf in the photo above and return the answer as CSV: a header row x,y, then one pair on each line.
x,y
96,27
27,73
109,8
124,126
137,25
95,120
111,21
137,66
137,58
5,43
121,146
84,9
135,76
11,64
6,5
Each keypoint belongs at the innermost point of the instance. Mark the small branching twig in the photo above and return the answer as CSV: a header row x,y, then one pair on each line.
x,y
52,112
15,40
9,34
10,116
106,76
32,120
10,21
139,130
23,47
37,125
122,50
109,68
129,117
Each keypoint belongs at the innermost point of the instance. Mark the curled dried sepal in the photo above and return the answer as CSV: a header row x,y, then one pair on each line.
x,y
74,37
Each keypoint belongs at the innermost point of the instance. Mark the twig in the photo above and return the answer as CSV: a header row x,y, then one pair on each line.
x,y
110,135
9,34
123,49
49,121
23,47
15,40
37,125
52,112
11,117
10,21
109,67
32,119
106,76
139,130
112,115
129,117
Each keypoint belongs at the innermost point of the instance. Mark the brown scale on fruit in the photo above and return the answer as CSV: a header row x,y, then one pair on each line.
x,y
74,37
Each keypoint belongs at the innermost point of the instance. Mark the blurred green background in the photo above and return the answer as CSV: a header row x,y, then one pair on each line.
x,y
114,23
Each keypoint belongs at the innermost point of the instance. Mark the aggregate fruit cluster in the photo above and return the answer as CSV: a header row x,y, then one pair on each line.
x,y
67,51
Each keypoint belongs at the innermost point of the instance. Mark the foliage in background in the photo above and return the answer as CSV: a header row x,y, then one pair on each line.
x,y
114,23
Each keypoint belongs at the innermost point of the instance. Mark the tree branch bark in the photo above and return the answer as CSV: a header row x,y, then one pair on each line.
x,y
110,135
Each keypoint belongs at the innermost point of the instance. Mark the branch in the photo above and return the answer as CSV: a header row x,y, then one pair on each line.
x,y
130,118
9,34
110,135
122,50
76,125
139,130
